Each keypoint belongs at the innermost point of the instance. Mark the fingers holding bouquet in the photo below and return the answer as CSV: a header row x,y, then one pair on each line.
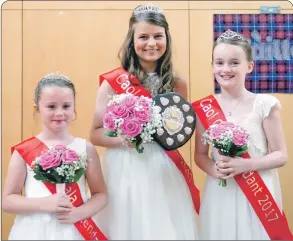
x,y
217,173
225,167
126,142
232,166
64,205
58,203
64,210
231,141
69,217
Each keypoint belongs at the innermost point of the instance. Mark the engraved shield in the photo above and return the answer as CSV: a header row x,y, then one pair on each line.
x,y
179,121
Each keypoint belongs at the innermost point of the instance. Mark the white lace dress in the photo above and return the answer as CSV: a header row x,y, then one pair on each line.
x,y
225,212
45,226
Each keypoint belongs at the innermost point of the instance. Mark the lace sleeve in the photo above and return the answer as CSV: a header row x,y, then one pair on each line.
x,y
268,101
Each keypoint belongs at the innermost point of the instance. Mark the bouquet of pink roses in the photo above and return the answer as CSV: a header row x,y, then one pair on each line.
x,y
135,118
230,140
60,165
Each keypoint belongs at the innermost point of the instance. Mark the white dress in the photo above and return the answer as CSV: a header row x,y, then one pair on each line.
x,y
148,197
225,212
45,226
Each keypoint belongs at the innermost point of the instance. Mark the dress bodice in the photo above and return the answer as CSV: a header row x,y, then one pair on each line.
x,y
253,123
152,83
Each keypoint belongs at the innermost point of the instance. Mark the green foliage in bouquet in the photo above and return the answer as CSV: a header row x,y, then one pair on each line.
x,y
60,165
52,176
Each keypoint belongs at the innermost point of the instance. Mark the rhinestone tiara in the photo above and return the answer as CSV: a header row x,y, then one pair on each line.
x,y
147,9
56,75
230,35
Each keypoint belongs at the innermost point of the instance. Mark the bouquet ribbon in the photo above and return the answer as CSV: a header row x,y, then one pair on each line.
x,y
123,82
32,148
272,218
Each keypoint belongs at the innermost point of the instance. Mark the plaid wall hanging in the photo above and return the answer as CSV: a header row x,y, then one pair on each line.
x,y
271,37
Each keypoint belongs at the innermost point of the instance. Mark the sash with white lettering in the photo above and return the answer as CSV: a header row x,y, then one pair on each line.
x,y
275,223
32,148
123,82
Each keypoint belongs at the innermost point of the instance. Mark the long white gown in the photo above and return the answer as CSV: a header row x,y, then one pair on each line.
x,y
45,226
225,212
148,197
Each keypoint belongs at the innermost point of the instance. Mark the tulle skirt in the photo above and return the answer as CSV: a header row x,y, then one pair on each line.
x,y
42,226
226,214
148,197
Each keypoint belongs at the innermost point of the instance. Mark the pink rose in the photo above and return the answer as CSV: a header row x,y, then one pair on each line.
x,y
145,103
131,127
228,124
217,131
120,111
143,116
109,122
131,109
69,156
130,101
60,148
50,159
240,137
110,108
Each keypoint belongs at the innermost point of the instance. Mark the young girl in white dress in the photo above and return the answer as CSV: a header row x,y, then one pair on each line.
x,y
226,213
148,196
41,215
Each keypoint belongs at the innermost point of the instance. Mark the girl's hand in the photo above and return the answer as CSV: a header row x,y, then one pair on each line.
x,y
229,167
58,203
215,172
70,217
127,143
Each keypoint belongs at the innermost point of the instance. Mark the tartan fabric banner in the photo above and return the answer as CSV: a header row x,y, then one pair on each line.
x,y
271,37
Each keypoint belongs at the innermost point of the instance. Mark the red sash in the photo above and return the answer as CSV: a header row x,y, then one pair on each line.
x,y
32,148
251,183
123,82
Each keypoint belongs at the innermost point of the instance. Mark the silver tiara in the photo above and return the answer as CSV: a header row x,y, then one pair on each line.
x,y
147,9
57,75
230,35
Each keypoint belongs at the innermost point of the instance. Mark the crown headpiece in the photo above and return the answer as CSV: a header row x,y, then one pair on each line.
x,y
147,9
229,35
56,75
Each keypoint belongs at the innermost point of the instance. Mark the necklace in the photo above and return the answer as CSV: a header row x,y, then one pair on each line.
x,y
153,83
230,112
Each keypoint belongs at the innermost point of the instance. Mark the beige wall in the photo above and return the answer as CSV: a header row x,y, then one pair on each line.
x,y
82,39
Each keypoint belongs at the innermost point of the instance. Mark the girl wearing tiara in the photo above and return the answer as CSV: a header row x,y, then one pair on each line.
x,y
244,208
43,214
149,198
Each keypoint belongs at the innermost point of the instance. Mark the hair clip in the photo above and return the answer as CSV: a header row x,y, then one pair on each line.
x,y
57,75
230,35
147,9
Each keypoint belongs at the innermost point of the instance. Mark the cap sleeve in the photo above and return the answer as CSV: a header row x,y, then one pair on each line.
x,y
268,102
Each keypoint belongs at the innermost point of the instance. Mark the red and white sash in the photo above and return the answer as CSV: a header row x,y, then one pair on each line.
x,y
123,82
209,112
32,148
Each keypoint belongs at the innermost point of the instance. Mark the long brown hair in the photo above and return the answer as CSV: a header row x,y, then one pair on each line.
x,y
129,59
